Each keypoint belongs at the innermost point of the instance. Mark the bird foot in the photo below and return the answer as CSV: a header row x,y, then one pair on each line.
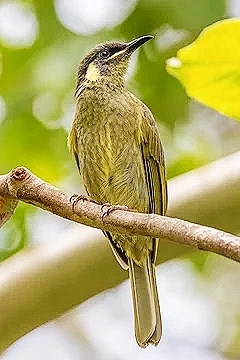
x,y
75,198
111,208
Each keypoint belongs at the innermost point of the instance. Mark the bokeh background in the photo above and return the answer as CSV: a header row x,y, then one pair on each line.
x,y
41,43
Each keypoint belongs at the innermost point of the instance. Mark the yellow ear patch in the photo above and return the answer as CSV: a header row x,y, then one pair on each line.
x,y
92,73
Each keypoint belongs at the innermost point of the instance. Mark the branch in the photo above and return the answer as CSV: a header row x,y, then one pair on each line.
x,y
21,184
7,203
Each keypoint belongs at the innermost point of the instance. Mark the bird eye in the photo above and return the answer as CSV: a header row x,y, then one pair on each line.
x,y
104,54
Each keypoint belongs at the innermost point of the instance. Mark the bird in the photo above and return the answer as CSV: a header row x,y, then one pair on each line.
x,y
116,144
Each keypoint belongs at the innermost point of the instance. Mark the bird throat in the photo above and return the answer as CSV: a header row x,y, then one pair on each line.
x,y
93,73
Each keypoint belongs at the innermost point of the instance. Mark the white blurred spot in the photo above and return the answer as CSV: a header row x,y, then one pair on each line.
x,y
44,226
18,24
68,110
52,70
233,8
88,16
10,237
47,342
46,109
3,109
168,37
174,63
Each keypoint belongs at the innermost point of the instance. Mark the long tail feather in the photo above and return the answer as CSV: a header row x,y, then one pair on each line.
x,y
148,328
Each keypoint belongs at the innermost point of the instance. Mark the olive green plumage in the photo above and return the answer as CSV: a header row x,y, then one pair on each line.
x,y
116,144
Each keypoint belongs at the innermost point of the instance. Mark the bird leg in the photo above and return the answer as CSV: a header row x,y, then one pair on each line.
x,y
75,198
111,208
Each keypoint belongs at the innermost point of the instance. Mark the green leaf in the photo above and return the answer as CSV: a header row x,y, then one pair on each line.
x,y
209,68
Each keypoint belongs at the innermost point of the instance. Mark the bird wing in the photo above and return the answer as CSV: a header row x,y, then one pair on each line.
x,y
73,147
154,166
152,154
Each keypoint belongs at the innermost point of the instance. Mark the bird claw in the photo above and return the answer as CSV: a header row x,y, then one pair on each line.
x,y
75,198
111,208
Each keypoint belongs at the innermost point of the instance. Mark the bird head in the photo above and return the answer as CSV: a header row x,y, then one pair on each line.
x,y
108,62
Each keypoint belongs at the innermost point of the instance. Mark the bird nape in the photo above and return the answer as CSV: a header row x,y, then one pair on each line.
x,y
115,141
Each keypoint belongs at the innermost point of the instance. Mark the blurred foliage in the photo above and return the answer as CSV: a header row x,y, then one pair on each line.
x,y
15,233
209,68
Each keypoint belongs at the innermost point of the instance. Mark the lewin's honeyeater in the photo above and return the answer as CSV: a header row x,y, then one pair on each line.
x,y
116,144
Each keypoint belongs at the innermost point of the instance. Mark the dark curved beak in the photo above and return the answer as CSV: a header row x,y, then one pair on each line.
x,y
136,43
130,47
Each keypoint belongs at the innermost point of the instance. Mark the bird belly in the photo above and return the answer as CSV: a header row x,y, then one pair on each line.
x,y
114,172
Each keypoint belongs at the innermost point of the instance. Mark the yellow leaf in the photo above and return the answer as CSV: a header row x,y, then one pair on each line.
x,y
209,68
